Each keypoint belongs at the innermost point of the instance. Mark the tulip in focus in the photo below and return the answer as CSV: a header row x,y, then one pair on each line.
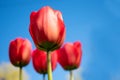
x,y
20,52
69,56
47,28
39,59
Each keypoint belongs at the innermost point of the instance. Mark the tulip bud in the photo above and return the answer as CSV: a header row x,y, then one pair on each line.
x,y
69,56
39,59
47,28
20,52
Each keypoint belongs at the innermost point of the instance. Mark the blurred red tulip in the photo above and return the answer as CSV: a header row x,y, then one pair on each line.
x,y
20,52
39,59
47,28
70,55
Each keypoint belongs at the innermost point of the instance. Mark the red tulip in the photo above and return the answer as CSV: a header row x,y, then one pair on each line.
x,y
39,59
47,28
70,55
20,52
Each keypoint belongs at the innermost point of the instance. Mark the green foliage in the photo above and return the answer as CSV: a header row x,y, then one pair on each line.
x,y
9,72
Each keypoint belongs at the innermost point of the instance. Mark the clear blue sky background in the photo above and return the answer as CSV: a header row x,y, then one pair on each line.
x,y
96,23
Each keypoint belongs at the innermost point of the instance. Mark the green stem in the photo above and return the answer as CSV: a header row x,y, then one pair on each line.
x,y
71,75
49,69
20,74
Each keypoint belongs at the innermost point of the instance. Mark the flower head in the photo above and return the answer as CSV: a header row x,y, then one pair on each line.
x,y
39,59
47,28
20,52
69,56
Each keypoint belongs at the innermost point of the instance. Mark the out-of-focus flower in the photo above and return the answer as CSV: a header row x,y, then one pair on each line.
x,y
39,59
20,52
69,56
47,28
9,72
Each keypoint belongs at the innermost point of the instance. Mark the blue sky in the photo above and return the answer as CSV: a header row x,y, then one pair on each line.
x,y
96,23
